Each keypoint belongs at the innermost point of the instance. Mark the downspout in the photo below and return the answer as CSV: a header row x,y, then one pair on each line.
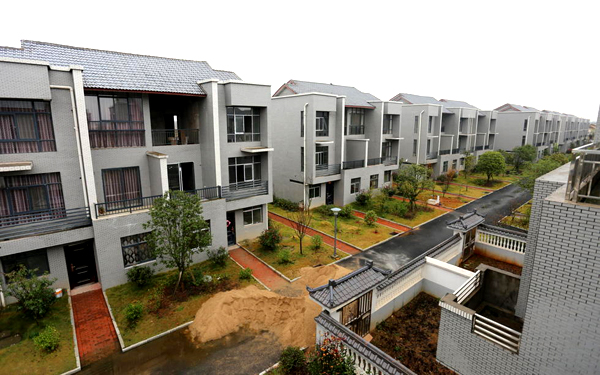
x,y
419,136
304,157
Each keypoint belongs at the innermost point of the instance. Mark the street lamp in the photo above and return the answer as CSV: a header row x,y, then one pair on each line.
x,y
335,211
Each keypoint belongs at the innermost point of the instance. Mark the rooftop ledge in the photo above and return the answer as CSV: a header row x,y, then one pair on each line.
x,y
254,150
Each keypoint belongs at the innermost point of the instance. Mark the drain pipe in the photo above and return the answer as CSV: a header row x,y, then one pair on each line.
x,y
304,157
2,296
419,136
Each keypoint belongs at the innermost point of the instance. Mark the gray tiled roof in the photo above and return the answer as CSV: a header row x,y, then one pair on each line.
x,y
504,231
457,103
466,222
123,71
336,292
354,97
518,108
419,99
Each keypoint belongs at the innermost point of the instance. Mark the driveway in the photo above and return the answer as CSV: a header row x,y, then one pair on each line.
x,y
398,251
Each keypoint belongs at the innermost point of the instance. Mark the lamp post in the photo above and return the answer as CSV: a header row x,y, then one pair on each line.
x,y
335,211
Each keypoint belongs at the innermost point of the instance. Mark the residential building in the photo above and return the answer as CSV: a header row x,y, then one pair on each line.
x,y
437,133
332,142
92,137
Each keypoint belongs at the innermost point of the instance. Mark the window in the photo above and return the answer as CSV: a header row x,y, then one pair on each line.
x,y
355,185
314,191
34,197
181,176
386,150
32,260
388,125
209,229
301,159
445,167
428,146
301,123
244,169
416,124
387,176
523,140
322,124
525,125
462,161
430,125
243,124
122,187
374,181
135,250
253,215
454,164
414,147
25,126
322,155
356,121
115,120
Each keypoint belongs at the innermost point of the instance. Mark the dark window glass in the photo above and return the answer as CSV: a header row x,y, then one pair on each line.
x,y
122,187
32,260
23,129
31,198
115,120
253,215
135,250
243,124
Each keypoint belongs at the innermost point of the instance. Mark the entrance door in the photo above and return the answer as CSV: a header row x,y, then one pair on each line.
x,y
357,314
181,176
329,193
81,264
231,228
469,245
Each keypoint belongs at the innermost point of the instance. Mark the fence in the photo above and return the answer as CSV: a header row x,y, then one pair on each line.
x,y
327,169
354,164
245,189
583,175
374,161
503,239
44,222
497,333
468,287
390,160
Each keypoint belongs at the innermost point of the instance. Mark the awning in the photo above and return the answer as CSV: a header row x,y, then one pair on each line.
x,y
16,166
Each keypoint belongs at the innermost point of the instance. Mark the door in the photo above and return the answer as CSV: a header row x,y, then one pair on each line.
x,y
231,228
357,314
329,193
469,245
81,264
181,176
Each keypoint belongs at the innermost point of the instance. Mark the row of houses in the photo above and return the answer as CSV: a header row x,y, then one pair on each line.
x,y
90,138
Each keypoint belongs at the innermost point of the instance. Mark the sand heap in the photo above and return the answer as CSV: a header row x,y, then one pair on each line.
x,y
291,319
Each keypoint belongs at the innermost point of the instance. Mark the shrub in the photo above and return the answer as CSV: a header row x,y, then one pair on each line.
x,y
218,257
325,209
400,209
48,339
155,300
363,197
285,256
346,212
292,361
33,293
285,204
370,218
317,242
133,313
331,358
246,274
140,276
270,239
388,190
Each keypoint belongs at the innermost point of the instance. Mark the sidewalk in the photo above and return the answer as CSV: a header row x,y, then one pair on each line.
x,y
385,222
263,273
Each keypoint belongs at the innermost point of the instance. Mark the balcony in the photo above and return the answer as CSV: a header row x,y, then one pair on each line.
x,y
355,130
354,164
584,176
245,190
455,150
172,137
53,220
479,148
100,138
374,161
445,152
393,160
432,155
327,169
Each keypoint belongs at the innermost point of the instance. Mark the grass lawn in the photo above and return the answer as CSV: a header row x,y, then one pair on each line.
x,y
478,181
456,189
421,216
524,208
309,258
177,313
352,230
24,357
450,201
518,222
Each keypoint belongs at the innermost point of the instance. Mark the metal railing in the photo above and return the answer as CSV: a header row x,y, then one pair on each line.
x,y
125,206
355,129
245,189
172,137
584,178
208,193
465,290
374,161
538,144
432,155
497,333
478,148
445,152
505,241
327,169
390,160
486,147
44,222
354,164
455,150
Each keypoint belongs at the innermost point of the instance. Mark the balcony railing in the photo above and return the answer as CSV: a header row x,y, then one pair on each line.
x,y
245,189
497,333
478,148
390,160
486,147
538,144
354,164
43,222
208,193
374,161
584,177
432,155
445,152
172,137
327,169
455,150
355,129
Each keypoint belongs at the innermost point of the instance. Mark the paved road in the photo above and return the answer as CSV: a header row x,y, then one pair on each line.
x,y
395,253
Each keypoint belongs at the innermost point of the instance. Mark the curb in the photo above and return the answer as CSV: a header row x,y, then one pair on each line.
x,y
112,317
268,265
242,267
75,346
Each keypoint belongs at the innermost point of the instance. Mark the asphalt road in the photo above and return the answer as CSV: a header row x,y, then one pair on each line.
x,y
396,252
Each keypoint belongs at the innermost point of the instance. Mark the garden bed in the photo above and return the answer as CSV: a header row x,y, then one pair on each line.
x,y
309,258
423,214
410,335
462,190
177,308
24,357
450,201
477,259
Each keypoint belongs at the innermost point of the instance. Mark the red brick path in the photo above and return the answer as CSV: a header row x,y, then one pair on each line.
x,y
266,275
385,222
96,336
326,238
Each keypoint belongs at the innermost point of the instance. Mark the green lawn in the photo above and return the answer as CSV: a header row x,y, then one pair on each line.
x,y
352,230
176,314
421,216
24,357
477,181
450,201
456,189
309,258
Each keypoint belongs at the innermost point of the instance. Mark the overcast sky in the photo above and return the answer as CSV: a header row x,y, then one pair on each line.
x,y
540,54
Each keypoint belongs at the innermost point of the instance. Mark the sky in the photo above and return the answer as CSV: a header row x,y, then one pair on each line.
x,y
540,54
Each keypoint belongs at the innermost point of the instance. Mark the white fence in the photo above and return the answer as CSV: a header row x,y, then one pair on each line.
x,y
468,287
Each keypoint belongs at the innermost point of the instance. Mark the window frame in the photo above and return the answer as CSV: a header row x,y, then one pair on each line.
x,y
386,150
19,258
355,185
256,161
322,118
314,191
321,154
387,176
114,204
233,118
141,241
114,123
252,210
34,112
46,192
374,178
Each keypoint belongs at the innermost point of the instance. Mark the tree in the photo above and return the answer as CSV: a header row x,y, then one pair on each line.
x,y
469,164
178,230
301,220
491,163
447,179
536,170
559,158
522,155
412,180
33,293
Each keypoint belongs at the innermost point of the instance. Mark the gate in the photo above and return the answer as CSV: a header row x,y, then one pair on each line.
x,y
357,314
469,243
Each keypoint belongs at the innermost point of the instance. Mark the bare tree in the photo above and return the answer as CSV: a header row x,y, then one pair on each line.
x,y
301,220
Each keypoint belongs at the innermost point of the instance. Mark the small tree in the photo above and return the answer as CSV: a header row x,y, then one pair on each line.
x,y
491,163
178,230
330,357
446,180
522,155
370,218
33,293
469,164
270,238
301,220
412,180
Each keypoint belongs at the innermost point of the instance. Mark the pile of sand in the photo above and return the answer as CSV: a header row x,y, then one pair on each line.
x,y
291,319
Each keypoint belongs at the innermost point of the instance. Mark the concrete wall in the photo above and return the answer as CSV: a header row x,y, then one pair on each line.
x,y
500,254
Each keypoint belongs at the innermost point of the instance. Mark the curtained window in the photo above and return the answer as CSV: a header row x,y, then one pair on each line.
x,y
26,126
122,187
115,121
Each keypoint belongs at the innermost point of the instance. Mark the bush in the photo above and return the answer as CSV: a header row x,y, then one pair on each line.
x,y
317,242
48,339
330,358
218,257
370,218
285,204
285,256
133,313
270,239
33,293
400,209
292,361
346,212
246,274
155,299
325,209
363,197
140,276
388,190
